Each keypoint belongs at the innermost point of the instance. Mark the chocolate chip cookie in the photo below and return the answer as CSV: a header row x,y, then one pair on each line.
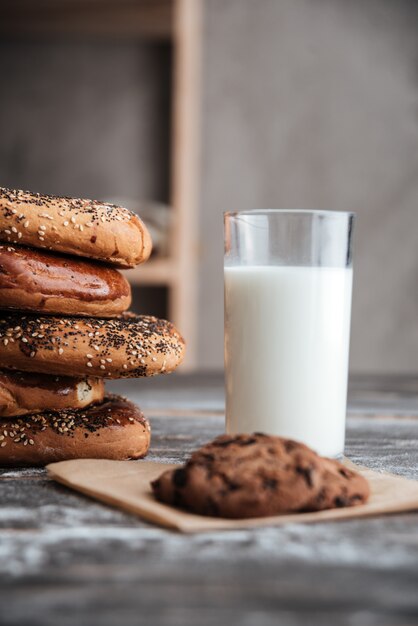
x,y
242,476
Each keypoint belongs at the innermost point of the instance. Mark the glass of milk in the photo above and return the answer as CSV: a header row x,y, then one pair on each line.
x,y
288,279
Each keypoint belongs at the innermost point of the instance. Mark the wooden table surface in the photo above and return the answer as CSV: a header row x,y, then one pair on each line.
x,y
65,559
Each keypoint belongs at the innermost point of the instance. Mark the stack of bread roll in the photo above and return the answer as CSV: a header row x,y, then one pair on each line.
x,y
64,329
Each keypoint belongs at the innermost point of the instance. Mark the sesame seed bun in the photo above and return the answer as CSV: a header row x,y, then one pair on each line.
x,y
129,346
22,393
39,281
87,228
114,429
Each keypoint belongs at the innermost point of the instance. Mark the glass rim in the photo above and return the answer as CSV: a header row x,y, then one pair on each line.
x,y
322,212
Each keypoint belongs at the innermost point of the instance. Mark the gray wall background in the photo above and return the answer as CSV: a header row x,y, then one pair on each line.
x,y
305,103
314,104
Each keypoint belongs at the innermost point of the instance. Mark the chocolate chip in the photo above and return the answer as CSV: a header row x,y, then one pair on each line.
x,y
156,484
248,442
344,472
270,483
223,443
340,501
177,499
93,239
208,456
306,472
230,484
289,445
179,477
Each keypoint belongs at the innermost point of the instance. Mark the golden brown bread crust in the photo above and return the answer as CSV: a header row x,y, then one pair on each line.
x,y
114,429
88,228
129,346
31,280
23,392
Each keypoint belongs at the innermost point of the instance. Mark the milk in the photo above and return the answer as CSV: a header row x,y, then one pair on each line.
x,y
286,352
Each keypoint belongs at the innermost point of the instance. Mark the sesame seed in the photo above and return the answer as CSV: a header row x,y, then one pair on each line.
x,y
89,356
89,364
73,219
109,360
102,367
14,229
42,227
24,340
26,224
66,223
60,351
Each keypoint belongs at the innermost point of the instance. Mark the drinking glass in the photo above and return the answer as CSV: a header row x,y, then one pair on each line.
x,y
288,282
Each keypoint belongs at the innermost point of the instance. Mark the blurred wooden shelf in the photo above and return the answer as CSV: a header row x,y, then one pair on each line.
x,y
116,18
177,22
155,272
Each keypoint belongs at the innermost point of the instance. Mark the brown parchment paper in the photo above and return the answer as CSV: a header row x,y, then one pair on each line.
x,y
126,485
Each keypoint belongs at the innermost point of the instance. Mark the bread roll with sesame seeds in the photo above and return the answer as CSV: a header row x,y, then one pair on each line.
x,y
129,346
114,429
87,228
23,392
33,280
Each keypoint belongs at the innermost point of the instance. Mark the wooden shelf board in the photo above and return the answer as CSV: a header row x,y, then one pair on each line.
x,y
154,272
118,18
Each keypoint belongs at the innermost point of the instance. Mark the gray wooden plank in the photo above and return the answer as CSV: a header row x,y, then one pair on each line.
x,y
65,559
